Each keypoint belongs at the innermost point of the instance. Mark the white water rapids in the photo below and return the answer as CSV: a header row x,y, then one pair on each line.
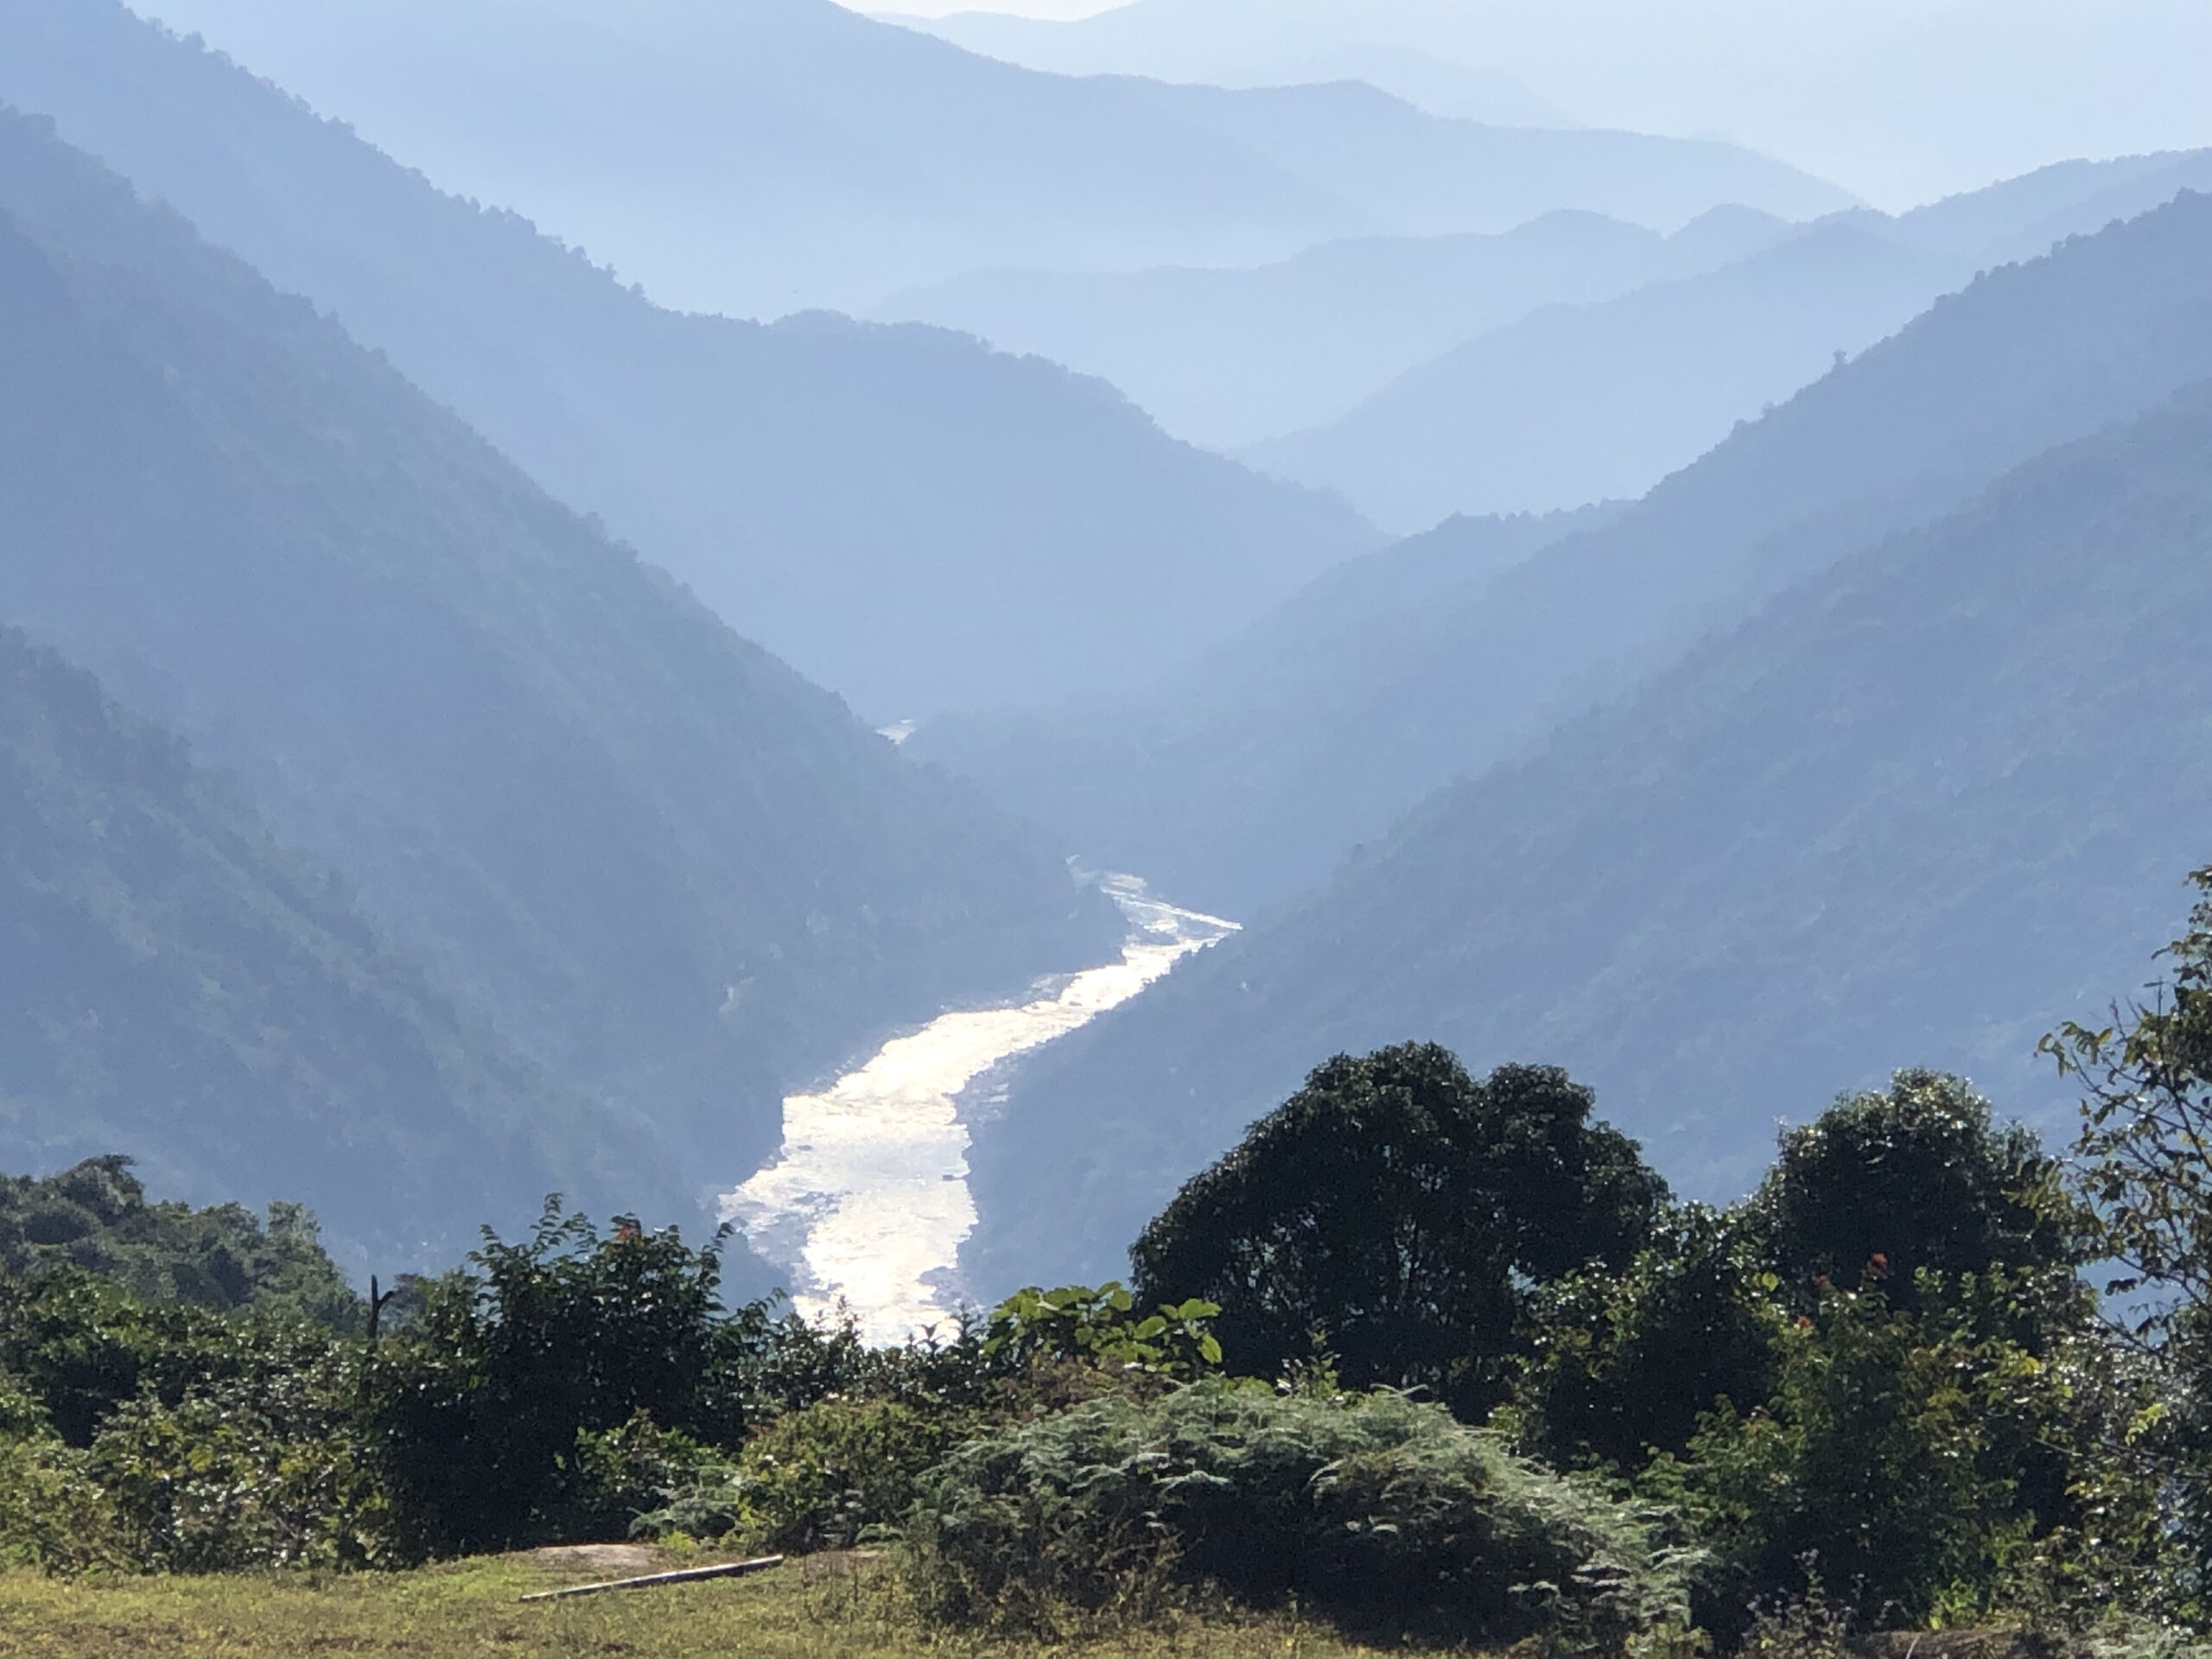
x,y
868,1202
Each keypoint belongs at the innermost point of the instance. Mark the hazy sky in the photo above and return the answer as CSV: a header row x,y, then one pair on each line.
x,y
1057,10
1901,100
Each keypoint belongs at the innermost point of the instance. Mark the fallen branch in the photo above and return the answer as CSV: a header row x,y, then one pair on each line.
x,y
651,1581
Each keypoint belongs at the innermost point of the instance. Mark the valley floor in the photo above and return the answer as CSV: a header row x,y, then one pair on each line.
x,y
798,1612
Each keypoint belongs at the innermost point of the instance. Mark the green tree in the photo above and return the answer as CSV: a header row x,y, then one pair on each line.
x,y
1624,1364
2143,1168
1398,1213
96,1215
1917,1177
504,1406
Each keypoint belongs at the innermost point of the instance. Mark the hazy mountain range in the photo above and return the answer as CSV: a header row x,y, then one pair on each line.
x,y
1228,357
670,872
1903,100
775,155
1572,359
435,758
175,982
1915,811
1578,403
910,519
1250,774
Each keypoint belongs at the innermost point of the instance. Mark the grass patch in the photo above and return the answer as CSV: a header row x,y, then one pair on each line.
x,y
806,1610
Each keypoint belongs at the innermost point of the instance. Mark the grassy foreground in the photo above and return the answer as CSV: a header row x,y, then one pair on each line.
x,y
798,1611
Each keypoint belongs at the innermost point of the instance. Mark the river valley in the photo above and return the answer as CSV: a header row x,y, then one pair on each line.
x,y
866,1202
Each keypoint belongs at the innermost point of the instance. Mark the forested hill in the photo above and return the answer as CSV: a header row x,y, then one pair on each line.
x,y
767,155
671,870
1917,811
177,983
2027,356
909,519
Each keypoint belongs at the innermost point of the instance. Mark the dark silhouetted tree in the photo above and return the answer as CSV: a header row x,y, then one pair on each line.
x,y
1397,1213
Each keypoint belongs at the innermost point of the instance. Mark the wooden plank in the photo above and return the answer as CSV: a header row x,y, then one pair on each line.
x,y
651,1581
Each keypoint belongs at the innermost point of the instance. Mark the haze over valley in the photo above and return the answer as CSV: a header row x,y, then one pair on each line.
x,y
890,628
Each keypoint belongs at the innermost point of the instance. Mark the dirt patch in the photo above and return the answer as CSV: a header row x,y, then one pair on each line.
x,y
614,1560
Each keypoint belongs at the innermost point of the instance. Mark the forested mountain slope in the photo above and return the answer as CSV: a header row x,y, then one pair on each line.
x,y
2026,357
671,869
908,519
1914,812
177,984
1229,357
1606,396
768,155
1208,783
1583,403
1598,400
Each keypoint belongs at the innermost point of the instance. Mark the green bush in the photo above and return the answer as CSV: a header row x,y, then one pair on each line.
x,y
239,1478
1367,1505
822,1477
1901,1465
54,1516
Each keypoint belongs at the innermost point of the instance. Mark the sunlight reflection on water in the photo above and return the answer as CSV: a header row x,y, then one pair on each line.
x,y
868,1201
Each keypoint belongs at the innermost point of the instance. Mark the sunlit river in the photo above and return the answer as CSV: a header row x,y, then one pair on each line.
x,y
868,1202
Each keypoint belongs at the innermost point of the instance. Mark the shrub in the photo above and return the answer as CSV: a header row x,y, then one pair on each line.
x,y
239,1477
1624,1364
1901,1464
52,1516
818,1479
1365,1504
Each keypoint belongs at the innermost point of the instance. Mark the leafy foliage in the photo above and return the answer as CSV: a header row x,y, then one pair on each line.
x,y
828,1477
1892,1463
492,1407
2140,1164
1917,1177
1101,1325
1393,1210
96,1217
1622,1364
1356,1501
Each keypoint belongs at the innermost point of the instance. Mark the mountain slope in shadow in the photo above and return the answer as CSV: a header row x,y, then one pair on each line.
x,y
1228,808
1583,402
177,984
1914,812
673,870
910,519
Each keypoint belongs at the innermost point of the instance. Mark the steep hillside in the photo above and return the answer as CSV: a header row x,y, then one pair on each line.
x,y
765,157
1589,401
671,869
176,983
2026,356
1582,402
1229,356
1208,783
1914,812
908,519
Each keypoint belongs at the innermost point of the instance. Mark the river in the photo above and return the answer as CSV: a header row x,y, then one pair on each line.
x,y
866,1202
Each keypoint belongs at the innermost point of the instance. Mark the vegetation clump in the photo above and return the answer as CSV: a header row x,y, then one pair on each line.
x,y
1361,1503
1880,1392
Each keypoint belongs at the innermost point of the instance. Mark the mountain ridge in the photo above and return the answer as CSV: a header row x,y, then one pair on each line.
x,y
1915,811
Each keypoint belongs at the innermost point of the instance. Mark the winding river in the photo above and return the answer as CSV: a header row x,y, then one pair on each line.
x,y
867,1204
